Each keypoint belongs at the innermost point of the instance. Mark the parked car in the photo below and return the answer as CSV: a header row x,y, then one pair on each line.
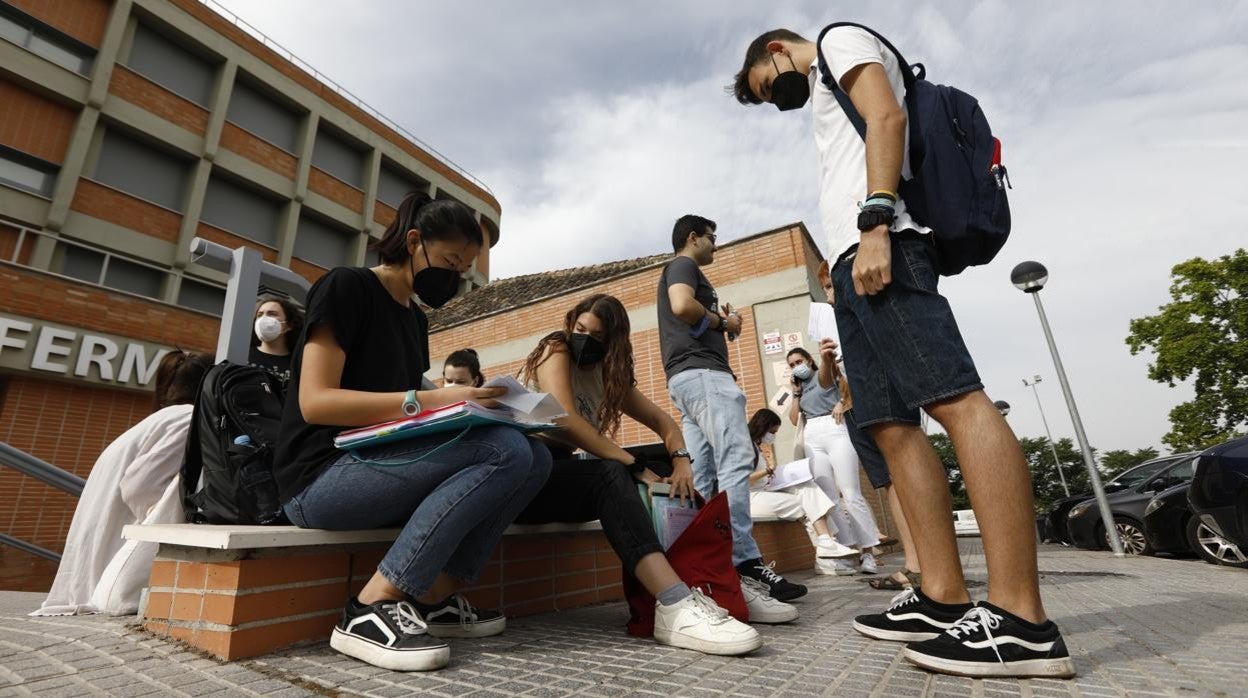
x,y
1127,505
1059,514
1219,501
1171,528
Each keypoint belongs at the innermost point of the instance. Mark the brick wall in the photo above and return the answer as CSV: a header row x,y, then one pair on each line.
x,y
85,20
383,213
68,423
115,206
335,189
8,245
307,270
141,92
258,150
34,124
232,241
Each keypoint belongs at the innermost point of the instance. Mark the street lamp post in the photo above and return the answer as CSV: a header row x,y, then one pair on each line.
x,y
1056,461
1030,277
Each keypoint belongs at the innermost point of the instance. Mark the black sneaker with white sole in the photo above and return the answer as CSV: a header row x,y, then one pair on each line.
x,y
778,587
990,641
911,617
390,635
455,617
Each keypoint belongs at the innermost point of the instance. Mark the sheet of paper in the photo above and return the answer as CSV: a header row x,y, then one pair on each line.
x,y
790,474
822,323
538,407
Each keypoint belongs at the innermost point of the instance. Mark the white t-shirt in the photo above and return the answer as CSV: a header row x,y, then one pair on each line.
x,y
842,152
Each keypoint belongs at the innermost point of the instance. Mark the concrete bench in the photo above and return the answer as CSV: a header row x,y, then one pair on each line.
x,y
242,591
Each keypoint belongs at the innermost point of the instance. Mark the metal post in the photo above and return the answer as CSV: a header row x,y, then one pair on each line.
x,y
1107,517
1052,448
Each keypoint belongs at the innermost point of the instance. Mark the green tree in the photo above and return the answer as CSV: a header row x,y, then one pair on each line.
x,y
949,459
1202,333
1046,485
1120,460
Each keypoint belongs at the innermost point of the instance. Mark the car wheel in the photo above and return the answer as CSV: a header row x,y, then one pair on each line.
x,y
1215,549
1134,542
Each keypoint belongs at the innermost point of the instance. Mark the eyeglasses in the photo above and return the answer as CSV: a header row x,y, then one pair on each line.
x,y
712,236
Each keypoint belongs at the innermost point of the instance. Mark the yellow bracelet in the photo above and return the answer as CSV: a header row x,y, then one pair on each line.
x,y
883,191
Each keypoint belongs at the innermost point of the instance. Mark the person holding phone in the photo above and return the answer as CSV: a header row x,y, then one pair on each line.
x,y
361,362
588,367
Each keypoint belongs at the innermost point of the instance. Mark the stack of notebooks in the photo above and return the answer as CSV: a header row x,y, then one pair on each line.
x,y
520,409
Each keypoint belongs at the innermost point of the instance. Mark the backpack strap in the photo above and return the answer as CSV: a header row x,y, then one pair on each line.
x,y
910,74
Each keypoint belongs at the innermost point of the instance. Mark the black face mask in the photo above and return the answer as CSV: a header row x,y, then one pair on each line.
x,y
790,89
434,285
585,349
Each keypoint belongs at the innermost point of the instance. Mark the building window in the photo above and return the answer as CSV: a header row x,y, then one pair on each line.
x,y
22,171
241,211
124,275
201,296
323,244
45,41
171,66
264,117
141,170
393,184
81,263
339,158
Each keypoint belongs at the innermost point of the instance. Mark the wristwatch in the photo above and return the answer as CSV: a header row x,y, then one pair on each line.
x,y
411,406
681,453
869,218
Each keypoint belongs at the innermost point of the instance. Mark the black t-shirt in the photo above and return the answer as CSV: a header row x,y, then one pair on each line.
x,y
387,347
682,352
277,365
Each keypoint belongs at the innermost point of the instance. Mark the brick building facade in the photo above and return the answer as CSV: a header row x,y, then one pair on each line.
x,y
127,128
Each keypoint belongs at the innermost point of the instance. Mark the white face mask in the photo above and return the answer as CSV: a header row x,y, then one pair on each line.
x,y
268,328
769,438
801,371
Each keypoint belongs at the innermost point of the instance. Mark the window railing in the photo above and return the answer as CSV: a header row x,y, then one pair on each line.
x,y
342,91
46,473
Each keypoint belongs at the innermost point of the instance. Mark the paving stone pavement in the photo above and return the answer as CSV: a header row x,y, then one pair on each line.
x,y
1136,626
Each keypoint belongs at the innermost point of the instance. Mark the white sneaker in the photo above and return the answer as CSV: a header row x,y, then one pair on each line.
x,y
763,608
827,546
868,564
839,567
697,623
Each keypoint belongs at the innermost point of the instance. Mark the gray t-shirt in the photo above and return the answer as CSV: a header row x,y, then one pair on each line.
x,y
817,401
682,352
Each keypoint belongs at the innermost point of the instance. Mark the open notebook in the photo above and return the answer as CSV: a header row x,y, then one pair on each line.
x,y
520,409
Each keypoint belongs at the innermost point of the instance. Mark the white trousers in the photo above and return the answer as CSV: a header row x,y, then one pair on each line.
x,y
834,463
797,503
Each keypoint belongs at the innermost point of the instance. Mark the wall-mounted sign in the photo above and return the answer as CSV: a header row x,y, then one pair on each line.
x,y
771,342
38,346
792,340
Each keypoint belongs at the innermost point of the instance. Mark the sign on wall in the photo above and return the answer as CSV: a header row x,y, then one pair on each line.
x,y
40,347
771,342
792,340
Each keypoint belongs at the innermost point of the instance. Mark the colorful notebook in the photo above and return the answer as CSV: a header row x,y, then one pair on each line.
x,y
453,417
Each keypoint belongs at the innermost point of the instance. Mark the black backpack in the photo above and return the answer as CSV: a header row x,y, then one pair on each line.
x,y
958,188
238,486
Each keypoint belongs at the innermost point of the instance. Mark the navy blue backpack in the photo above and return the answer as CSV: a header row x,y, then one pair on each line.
x,y
958,188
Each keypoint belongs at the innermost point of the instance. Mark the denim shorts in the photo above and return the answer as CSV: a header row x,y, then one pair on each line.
x,y
902,347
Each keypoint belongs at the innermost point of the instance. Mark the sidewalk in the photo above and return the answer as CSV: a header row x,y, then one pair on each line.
x,y
1137,626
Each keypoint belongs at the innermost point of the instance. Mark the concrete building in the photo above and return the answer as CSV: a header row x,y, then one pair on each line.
x,y
128,127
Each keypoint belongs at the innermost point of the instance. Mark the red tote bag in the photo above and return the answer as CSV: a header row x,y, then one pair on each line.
x,y
702,557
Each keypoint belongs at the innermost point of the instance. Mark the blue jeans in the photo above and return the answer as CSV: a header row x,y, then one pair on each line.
x,y
453,506
712,417
902,346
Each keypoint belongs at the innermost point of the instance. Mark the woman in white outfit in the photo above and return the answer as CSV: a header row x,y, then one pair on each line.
x,y
135,480
833,460
803,501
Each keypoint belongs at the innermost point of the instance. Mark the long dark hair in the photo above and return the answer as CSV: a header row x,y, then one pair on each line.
x,y
466,358
177,378
814,365
762,422
294,319
617,368
436,220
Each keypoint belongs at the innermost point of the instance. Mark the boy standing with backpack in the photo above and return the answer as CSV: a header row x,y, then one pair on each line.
x,y
903,351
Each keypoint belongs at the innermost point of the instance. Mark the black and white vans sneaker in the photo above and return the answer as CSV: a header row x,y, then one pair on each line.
x,y
778,587
390,635
911,617
455,617
990,641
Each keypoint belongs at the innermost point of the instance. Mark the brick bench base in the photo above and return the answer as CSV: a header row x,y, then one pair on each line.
x,y
239,592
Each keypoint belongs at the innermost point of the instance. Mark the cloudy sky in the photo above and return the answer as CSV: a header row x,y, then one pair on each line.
x,y
597,124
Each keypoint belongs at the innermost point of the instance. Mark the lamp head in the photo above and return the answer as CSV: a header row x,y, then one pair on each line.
x,y
1029,277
